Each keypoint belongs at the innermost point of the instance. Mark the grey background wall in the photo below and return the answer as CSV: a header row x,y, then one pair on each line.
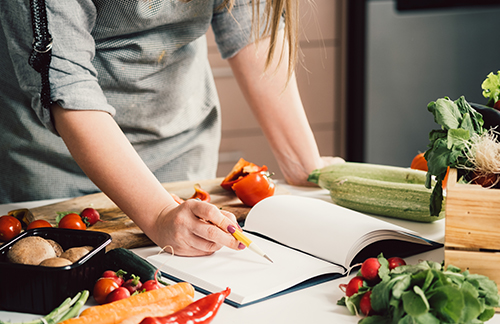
x,y
416,57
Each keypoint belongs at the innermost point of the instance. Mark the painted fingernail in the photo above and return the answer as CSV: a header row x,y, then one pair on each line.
x,y
239,226
231,229
241,246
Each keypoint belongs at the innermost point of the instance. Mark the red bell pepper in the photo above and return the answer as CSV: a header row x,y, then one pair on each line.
x,y
201,311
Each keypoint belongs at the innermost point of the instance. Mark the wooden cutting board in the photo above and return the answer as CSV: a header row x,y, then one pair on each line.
x,y
122,229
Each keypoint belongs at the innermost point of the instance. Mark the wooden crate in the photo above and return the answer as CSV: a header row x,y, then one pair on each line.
x,y
472,228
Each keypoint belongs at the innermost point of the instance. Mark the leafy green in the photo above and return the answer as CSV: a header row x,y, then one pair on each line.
x,y
459,122
491,88
428,293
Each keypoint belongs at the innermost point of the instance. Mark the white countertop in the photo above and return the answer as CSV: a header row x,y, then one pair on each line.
x,y
317,304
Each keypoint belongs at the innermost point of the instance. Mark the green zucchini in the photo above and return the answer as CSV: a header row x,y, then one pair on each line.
x,y
126,260
378,189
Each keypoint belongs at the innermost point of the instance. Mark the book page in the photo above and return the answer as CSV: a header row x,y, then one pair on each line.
x,y
315,226
250,276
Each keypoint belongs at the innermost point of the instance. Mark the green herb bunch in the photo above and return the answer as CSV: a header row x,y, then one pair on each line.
x,y
427,293
459,122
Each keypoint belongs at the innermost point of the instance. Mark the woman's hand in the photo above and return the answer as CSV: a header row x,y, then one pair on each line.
x,y
296,174
194,228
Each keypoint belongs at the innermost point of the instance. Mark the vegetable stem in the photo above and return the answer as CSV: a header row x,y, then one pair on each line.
x,y
67,309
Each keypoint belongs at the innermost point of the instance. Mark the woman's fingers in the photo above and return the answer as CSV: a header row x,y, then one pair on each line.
x,y
211,225
195,228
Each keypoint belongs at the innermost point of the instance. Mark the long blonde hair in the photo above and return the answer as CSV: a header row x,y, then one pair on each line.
x,y
273,12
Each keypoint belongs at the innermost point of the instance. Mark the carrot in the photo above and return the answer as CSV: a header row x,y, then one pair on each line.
x,y
175,297
113,316
161,310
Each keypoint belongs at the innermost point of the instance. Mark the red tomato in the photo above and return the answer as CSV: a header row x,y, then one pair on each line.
x,y
254,187
151,285
9,227
117,294
395,262
72,221
39,223
102,288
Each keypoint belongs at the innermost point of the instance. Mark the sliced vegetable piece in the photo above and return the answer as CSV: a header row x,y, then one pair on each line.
x,y
200,193
241,169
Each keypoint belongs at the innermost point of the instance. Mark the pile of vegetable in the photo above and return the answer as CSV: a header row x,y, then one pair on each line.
x,y
113,286
16,221
463,142
169,304
389,291
377,189
73,220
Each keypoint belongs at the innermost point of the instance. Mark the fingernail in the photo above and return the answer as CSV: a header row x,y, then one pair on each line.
x,y
241,246
231,229
239,227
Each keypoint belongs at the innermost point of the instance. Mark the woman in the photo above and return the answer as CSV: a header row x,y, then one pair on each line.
x,y
133,104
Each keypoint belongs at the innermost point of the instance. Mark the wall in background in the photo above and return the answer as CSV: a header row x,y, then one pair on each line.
x,y
320,83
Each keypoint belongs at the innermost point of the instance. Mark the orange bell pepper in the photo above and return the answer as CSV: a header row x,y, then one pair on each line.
x,y
241,169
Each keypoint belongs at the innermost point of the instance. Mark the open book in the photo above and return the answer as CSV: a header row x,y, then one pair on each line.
x,y
309,240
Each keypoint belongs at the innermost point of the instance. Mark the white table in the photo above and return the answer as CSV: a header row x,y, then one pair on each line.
x,y
316,304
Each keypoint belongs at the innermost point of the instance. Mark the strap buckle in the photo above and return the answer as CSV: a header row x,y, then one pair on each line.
x,y
47,48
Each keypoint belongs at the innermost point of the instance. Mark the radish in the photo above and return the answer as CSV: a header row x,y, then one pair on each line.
x,y
395,262
353,286
369,269
90,216
365,304
133,284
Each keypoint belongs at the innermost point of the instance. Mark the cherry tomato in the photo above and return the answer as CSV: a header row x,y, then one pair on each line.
x,y
102,288
39,223
9,227
254,187
116,276
72,221
117,294
395,262
151,285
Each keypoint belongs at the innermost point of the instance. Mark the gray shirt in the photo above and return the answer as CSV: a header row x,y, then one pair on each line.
x,y
143,61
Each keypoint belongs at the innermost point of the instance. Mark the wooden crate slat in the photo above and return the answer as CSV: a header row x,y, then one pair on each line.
x,y
472,216
484,263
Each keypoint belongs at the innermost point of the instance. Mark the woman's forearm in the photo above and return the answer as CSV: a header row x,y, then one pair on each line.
x,y
104,153
278,109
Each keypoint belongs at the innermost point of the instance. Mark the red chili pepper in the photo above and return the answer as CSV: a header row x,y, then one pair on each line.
x,y
201,311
